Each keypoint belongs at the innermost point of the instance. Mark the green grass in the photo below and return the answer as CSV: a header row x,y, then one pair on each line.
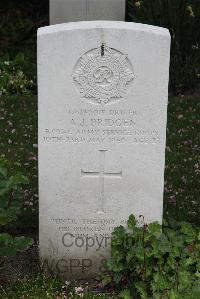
x,y
182,173
48,288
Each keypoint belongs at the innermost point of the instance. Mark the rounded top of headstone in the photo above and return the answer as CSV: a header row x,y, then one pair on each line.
x,y
103,24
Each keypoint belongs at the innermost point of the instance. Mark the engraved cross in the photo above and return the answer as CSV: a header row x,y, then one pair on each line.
x,y
101,174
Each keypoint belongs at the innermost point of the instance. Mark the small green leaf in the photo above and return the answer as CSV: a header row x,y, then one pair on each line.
x,y
6,217
22,242
188,230
198,237
164,245
131,222
141,288
125,294
3,171
106,280
8,251
155,229
18,179
118,233
19,58
6,238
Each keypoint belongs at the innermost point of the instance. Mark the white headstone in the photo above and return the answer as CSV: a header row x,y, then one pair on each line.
x,y
62,11
103,90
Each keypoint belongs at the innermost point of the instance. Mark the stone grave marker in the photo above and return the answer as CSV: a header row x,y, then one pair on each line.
x,y
103,91
62,11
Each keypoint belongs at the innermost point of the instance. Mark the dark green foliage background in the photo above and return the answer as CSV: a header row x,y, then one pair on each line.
x,y
185,33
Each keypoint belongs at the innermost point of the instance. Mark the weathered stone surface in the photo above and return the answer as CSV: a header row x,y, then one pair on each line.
x,y
102,119
62,11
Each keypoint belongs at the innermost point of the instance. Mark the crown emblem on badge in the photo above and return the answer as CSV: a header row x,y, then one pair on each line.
x,y
103,75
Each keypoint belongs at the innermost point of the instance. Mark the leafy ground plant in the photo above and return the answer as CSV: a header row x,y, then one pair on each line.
x,y
151,261
18,143
11,202
16,76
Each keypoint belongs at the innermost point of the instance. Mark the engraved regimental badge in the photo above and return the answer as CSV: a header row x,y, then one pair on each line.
x,y
103,75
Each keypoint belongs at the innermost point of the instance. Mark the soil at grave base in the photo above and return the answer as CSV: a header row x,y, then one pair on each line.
x,y
26,264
